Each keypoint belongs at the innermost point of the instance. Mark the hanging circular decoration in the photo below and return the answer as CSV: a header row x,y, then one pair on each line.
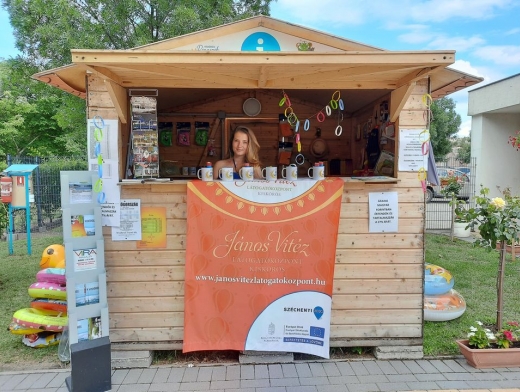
x,y
318,148
339,130
252,107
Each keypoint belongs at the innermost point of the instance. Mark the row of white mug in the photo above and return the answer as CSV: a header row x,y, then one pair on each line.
x,y
289,173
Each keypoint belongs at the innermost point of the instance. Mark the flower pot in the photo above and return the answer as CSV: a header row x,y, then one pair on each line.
x,y
459,230
486,358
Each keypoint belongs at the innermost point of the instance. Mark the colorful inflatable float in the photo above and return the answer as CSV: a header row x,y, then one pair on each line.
x,y
437,280
51,275
48,290
444,307
41,320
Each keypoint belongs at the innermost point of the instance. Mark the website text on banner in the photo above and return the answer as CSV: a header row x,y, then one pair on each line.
x,y
259,265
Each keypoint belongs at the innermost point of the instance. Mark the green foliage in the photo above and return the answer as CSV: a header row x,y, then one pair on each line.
x,y
4,218
464,150
445,124
497,219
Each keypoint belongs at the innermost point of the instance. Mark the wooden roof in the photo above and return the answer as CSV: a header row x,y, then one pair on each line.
x,y
345,65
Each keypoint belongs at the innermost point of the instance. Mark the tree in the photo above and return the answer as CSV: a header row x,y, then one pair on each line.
x,y
445,124
46,30
41,120
464,151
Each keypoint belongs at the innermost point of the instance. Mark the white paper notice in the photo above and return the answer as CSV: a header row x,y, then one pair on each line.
x,y
411,157
383,212
130,221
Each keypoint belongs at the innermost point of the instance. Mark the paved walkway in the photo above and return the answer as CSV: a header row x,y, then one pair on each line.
x,y
300,376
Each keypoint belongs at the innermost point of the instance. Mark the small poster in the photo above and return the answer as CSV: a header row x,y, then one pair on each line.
x,y
85,259
80,192
383,212
83,225
153,228
87,293
89,329
129,228
411,149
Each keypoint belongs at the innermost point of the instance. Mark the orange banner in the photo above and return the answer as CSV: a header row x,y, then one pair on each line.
x,y
259,265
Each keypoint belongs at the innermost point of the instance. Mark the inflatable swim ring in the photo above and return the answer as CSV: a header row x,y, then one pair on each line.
x,y
51,275
53,256
17,329
444,307
48,290
437,280
49,304
42,320
42,339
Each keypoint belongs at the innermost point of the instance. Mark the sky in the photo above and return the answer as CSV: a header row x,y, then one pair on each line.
x,y
484,33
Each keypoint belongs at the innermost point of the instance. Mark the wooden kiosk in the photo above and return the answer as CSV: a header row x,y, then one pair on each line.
x,y
207,77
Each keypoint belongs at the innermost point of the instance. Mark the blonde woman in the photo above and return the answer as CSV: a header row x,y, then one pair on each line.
x,y
243,148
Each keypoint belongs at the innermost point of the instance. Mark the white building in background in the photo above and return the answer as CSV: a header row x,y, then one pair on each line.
x,y
495,111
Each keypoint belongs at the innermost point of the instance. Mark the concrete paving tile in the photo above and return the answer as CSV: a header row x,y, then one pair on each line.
x,y
510,385
317,369
190,374
289,370
237,390
132,376
133,388
333,388
205,373
425,385
247,372
331,369
488,376
218,373
176,374
372,367
4,378
59,380
440,366
118,376
462,362
393,367
515,375
43,389
225,384
401,378
372,378
261,371
459,376
303,370
359,368
344,380
454,365
195,386
481,384
393,386
163,387
363,388
258,383
147,376
452,384
285,382
314,381
430,377
28,381
275,371
44,380
161,375
270,389
345,368
302,389
233,372
13,382
413,366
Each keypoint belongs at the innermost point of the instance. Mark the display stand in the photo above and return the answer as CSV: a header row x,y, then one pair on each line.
x,y
144,137
86,283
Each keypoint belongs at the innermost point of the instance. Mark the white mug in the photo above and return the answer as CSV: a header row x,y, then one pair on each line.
x,y
270,173
205,174
226,174
246,173
318,172
290,172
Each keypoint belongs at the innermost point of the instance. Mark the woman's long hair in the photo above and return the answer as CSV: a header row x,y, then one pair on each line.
x,y
253,147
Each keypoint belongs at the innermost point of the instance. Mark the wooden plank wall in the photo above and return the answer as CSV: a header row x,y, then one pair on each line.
x,y
378,285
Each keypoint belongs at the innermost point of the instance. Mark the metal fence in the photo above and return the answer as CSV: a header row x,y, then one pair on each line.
x,y
46,214
438,210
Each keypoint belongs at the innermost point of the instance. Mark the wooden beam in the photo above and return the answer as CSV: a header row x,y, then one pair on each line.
x,y
104,73
417,75
119,97
398,98
262,77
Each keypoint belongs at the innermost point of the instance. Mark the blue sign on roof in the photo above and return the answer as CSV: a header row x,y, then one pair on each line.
x,y
20,168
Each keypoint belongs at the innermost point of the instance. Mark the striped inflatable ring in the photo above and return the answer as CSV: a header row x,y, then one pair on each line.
x,y
48,290
51,275
17,329
43,320
444,307
437,280
57,305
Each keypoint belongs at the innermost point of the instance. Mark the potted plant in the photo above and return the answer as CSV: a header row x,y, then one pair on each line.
x,y
498,222
485,349
461,225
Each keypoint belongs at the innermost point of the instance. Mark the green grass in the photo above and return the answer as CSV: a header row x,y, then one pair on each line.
x,y
17,273
474,270
475,273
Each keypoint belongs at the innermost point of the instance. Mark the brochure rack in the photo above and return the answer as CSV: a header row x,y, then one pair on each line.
x,y
144,137
86,282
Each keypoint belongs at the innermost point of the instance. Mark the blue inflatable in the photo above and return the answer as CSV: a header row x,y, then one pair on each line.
x,y
437,280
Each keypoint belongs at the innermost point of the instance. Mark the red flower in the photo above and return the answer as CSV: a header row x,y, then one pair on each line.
x,y
508,335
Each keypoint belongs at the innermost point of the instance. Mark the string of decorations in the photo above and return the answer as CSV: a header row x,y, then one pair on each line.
x,y
335,103
424,138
